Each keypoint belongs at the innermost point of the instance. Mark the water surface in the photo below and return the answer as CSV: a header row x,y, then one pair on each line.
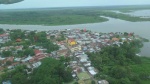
x,y
113,25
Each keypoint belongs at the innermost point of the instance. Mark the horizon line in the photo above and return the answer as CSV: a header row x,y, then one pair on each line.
x,y
74,7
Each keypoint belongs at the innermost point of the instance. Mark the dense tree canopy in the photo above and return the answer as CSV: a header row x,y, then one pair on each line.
x,y
114,63
51,71
1,31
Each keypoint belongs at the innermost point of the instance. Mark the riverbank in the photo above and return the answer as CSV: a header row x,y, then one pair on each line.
x,y
113,25
50,17
63,16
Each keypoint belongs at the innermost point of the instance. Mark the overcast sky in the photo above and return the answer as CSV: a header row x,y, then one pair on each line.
x,y
71,3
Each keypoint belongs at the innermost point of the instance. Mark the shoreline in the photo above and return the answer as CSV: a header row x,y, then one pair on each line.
x,y
113,25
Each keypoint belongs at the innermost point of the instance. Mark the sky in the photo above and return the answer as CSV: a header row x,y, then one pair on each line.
x,y
71,3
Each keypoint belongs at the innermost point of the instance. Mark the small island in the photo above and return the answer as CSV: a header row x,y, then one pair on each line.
x,y
72,56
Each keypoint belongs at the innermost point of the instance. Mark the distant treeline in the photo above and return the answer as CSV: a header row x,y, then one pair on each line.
x,y
63,16
124,16
50,17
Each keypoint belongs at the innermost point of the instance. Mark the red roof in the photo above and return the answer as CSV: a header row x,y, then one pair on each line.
x,y
3,35
36,52
61,42
71,40
37,58
14,64
84,30
18,40
40,57
10,59
32,60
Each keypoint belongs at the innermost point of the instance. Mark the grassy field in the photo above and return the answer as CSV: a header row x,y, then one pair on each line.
x,y
83,76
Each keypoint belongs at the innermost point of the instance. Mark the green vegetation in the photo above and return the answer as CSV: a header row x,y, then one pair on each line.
x,y
123,16
62,16
51,71
50,17
120,65
142,70
27,39
83,76
1,31
145,40
61,38
9,1
67,16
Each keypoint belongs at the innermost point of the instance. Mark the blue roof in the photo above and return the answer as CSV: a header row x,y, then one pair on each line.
x,y
6,82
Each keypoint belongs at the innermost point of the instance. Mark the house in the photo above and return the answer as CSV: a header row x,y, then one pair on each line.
x,y
91,50
18,40
37,64
11,59
6,82
37,58
2,58
72,63
83,58
76,48
37,52
130,34
71,42
77,69
115,39
84,48
27,59
92,70
103,82
17,59
79,53
62,47
12,66
5,60
74,75
87,64
4,36
19,48
62,52
123,39
54,53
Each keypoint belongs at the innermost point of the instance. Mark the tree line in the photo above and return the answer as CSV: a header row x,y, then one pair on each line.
x,y
115,63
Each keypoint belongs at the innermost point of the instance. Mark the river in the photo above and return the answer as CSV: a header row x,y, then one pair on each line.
x,y
113,25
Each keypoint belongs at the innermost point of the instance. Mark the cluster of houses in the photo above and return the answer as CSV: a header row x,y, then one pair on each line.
x,y
77,42
10,62
81,41
4,38
30,61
